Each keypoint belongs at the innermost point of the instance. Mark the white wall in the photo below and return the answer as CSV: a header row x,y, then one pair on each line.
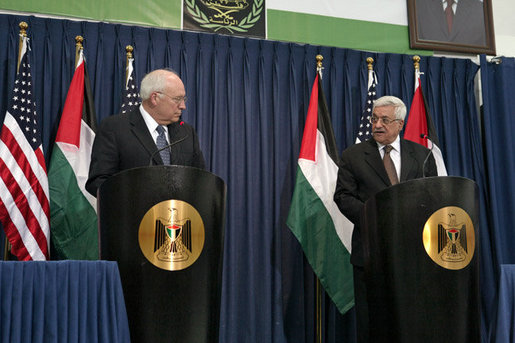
x,y
504,27
396,12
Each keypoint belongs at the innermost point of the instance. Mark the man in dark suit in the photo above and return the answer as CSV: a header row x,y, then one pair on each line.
x,y
131,140
362,173
457,21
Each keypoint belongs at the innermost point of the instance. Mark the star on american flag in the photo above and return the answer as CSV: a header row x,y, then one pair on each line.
x,y
23,108
365,127
131,99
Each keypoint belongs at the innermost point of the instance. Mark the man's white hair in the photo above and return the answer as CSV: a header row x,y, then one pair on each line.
x,y
388,100
155,81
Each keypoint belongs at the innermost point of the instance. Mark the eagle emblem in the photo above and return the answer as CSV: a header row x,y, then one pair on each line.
x,y
173,238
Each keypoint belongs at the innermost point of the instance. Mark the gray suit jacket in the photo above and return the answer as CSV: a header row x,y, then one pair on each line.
x,y
468,23
123,142
361,174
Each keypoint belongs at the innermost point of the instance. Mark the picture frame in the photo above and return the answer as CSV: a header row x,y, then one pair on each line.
x,y
471,26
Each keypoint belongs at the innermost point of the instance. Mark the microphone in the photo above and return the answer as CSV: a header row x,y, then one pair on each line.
x,y
164,148
423,135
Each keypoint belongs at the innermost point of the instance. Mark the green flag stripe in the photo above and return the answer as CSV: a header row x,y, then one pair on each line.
x,y
73,220
311,223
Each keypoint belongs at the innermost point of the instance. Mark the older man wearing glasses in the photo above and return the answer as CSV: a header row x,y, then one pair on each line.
x,y
369,167
151,134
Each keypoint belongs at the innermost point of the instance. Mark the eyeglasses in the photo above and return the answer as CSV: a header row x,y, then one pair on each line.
x,y
177,99
385,120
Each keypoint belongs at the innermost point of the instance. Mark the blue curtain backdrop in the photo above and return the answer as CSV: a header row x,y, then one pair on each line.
x,y
249,99
498,81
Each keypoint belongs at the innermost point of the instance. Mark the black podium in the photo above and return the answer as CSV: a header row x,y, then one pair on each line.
x,y
420,244
164,225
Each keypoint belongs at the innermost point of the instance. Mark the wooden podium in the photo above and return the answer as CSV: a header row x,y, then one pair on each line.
x,y
420,244
164,225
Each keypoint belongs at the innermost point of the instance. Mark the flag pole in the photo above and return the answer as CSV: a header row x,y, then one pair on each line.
x,y
78,48
129,49
416,65
23,33
318,310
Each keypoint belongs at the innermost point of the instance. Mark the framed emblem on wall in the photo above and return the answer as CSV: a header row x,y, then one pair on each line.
x,y
232,17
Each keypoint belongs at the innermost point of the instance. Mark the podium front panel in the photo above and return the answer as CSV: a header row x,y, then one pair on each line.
x,y
412,295
163,305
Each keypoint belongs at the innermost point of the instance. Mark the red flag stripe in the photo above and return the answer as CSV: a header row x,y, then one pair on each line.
x,y
69,126
18,248
24,215
23,196
309,138
417,121
21,217
25,164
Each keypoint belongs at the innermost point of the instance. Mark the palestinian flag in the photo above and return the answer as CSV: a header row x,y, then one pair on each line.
x,y
420,128
73,217
314,218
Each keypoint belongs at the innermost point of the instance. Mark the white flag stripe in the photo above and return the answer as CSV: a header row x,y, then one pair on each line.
x,y
38,170
18,221
440,164
25,185
322,175
79,159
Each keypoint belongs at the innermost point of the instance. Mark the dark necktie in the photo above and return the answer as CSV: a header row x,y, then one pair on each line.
x,y
389,166
161,143
449,14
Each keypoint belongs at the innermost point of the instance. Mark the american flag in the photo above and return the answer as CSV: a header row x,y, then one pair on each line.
x,y
131,98
24,196
365,127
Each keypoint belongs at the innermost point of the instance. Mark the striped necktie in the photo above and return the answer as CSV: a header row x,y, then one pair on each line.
x,y
162,143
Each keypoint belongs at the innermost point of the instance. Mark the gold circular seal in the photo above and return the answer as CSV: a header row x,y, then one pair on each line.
x,y
171,235
449,238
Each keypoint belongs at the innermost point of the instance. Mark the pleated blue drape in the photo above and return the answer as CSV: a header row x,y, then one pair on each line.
x,y
498,81
249,100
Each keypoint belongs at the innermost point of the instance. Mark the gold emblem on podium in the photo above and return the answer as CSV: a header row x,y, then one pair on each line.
x,y
449,238
171,235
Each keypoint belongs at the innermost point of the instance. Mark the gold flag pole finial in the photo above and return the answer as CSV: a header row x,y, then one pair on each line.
x,y
129,49
416,63
23,33
319,59
78,48
370,63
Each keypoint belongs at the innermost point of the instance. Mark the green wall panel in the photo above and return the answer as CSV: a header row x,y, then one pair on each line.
x,y
338,32
160,13
282,25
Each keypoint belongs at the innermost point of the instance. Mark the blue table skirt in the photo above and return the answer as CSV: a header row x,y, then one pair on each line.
x,y
62,301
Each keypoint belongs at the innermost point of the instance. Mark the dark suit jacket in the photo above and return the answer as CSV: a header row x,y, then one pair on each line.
x,y
468,23
123,142
361,174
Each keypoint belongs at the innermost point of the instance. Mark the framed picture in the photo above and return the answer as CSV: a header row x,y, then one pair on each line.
x,y
464,26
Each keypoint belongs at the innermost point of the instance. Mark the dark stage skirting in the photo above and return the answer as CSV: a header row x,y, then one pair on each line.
x,y
62,301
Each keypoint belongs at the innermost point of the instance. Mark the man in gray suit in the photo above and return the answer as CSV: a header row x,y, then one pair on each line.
x,y
363,172
131,140
456,21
